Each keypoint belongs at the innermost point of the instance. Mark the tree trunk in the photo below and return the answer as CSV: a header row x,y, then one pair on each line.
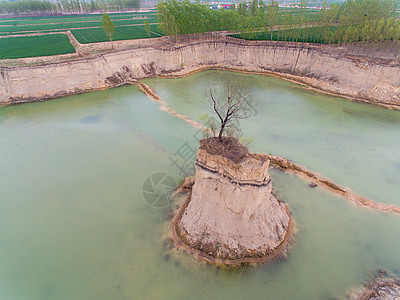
x,y
112,46
221,131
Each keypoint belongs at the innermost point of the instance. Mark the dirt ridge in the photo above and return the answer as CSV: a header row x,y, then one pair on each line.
x,y
323,69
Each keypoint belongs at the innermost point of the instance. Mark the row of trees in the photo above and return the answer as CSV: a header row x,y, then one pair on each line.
x,y
363,20
45,7
185,17
354,20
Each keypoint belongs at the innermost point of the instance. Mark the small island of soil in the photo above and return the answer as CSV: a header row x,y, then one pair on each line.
x,y
230,215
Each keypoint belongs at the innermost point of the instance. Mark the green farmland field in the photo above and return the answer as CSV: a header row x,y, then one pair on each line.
x,y
30,46
65,26
310,16
73,18
62,23
94,35
306,35
86,29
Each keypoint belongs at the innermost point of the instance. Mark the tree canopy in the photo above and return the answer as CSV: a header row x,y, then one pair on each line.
x,y
108,26
352,21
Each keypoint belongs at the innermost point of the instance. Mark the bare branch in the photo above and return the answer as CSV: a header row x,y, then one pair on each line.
x,y
214,103
234,105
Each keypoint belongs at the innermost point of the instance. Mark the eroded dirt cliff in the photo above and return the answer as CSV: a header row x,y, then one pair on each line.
x,y
232,214
325,70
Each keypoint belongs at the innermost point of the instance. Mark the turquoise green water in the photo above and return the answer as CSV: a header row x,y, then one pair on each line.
x,y
74,223
354,144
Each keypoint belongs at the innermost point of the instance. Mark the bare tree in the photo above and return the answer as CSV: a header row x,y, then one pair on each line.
x,y
232,103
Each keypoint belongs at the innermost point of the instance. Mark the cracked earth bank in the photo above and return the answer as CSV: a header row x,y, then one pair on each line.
x,y
230,216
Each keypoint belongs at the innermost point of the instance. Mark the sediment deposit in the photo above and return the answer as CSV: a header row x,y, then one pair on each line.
x,y
325,70
231,215
380,289
318,180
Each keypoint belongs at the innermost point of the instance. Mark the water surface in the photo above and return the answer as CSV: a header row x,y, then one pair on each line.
x,y
74,223
355,144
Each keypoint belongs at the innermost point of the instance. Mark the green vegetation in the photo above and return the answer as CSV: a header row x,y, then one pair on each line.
x,y
94,35
73,18
45,7
57,25
197,18
184,17
352,21
86,28
147,28
108,27
307,35
366,20
30,46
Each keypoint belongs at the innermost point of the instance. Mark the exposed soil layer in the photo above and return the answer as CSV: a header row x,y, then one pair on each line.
x,y
230,215
324,69
227,147
380,289
182,243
